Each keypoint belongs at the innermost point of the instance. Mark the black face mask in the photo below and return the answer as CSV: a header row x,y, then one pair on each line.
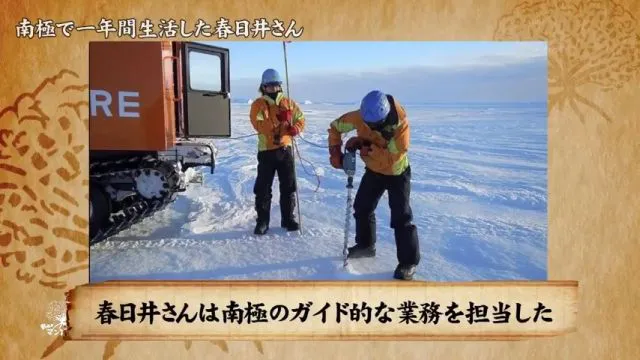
x,y
377,126
383,127
273,96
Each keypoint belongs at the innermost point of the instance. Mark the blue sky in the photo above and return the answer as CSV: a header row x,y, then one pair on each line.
x,y
416,71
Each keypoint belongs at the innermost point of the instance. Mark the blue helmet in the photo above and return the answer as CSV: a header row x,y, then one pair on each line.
x,y
270,76
374,107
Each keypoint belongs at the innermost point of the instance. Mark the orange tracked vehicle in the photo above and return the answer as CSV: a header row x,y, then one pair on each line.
x,y
148,101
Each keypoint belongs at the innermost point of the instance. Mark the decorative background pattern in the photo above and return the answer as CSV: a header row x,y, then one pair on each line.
x,y
594,61
590,43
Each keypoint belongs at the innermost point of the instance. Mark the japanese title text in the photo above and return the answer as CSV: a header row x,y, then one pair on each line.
x,y
222,28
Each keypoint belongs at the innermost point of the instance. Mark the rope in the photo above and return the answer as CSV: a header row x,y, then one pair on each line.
x,y
241,137
295,147
300,137
296,151
313,144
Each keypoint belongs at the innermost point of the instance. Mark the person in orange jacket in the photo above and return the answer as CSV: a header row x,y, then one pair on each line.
x,y
382,137
277,119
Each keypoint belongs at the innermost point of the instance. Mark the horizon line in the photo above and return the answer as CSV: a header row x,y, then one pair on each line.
x,y
243,100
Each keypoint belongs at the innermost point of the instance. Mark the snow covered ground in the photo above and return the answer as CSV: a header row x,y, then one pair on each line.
x,y
479,195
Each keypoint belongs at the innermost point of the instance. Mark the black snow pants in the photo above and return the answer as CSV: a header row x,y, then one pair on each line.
x,y
271,162
370,190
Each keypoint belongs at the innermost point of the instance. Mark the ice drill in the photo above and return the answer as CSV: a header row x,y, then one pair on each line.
x,y
349,167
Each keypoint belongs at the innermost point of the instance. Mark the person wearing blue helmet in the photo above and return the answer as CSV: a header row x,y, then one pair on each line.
x,y
276,119
382,138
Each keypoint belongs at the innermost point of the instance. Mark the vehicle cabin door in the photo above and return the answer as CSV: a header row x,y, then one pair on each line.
x,y
206,91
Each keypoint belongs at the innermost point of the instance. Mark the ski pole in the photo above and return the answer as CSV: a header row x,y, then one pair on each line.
x,y
295,146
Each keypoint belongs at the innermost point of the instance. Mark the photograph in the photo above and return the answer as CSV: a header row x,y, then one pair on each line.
x,y
314,160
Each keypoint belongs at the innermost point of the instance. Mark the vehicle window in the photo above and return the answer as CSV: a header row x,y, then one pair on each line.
x,y
205,72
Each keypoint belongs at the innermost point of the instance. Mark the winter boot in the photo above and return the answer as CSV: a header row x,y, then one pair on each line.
x,y
287,205
404,272
359,251
262,222
261,228
290,225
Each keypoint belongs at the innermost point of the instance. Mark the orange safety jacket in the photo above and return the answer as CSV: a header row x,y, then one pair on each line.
x,y
265,122
388,156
